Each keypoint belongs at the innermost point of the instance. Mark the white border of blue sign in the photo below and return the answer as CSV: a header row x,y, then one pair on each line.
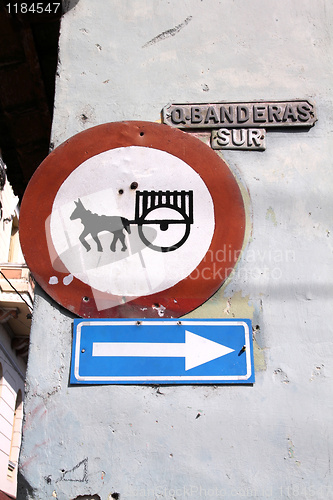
x,y
247,378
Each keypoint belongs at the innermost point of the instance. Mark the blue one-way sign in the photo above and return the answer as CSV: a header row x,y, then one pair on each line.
x,y
128,351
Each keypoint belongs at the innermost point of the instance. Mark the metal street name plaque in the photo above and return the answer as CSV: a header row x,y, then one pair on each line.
x,y
239,138
298,113
128,351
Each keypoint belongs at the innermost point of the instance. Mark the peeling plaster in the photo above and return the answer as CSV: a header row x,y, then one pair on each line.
x,y
270,215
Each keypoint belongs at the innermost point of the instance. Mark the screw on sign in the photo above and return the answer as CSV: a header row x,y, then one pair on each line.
x,y
128,219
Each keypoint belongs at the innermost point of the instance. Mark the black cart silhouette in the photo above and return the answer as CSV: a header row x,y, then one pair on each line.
x,y
149,201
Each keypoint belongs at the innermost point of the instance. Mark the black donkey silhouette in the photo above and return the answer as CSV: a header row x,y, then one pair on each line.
x,y
94,224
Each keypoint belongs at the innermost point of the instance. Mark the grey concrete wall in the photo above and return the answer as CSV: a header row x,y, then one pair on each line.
x,y
126,60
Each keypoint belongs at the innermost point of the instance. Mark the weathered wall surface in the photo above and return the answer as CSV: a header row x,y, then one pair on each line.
x,y
126,60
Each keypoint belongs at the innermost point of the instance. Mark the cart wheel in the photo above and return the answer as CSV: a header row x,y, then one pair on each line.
x,y
164,225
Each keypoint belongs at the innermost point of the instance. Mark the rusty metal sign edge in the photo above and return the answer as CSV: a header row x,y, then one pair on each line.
x,y
80,298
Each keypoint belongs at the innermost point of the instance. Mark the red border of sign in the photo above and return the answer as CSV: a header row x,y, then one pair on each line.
x,y
178,300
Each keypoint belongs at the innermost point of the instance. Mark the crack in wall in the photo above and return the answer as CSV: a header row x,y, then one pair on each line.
x,y
168,33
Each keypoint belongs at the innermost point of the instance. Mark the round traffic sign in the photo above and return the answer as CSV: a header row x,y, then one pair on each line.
x,y
132,219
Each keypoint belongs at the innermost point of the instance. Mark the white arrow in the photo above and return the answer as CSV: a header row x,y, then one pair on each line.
x,y
196,350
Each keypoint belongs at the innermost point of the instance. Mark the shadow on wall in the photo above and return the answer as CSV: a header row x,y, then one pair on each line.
x,y
24,490
68,5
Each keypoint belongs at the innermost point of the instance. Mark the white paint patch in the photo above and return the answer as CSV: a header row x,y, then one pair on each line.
x,y
53,280
103,184
160,310
68,279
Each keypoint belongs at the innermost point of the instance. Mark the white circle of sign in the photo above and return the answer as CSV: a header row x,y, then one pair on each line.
x,y
106,185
